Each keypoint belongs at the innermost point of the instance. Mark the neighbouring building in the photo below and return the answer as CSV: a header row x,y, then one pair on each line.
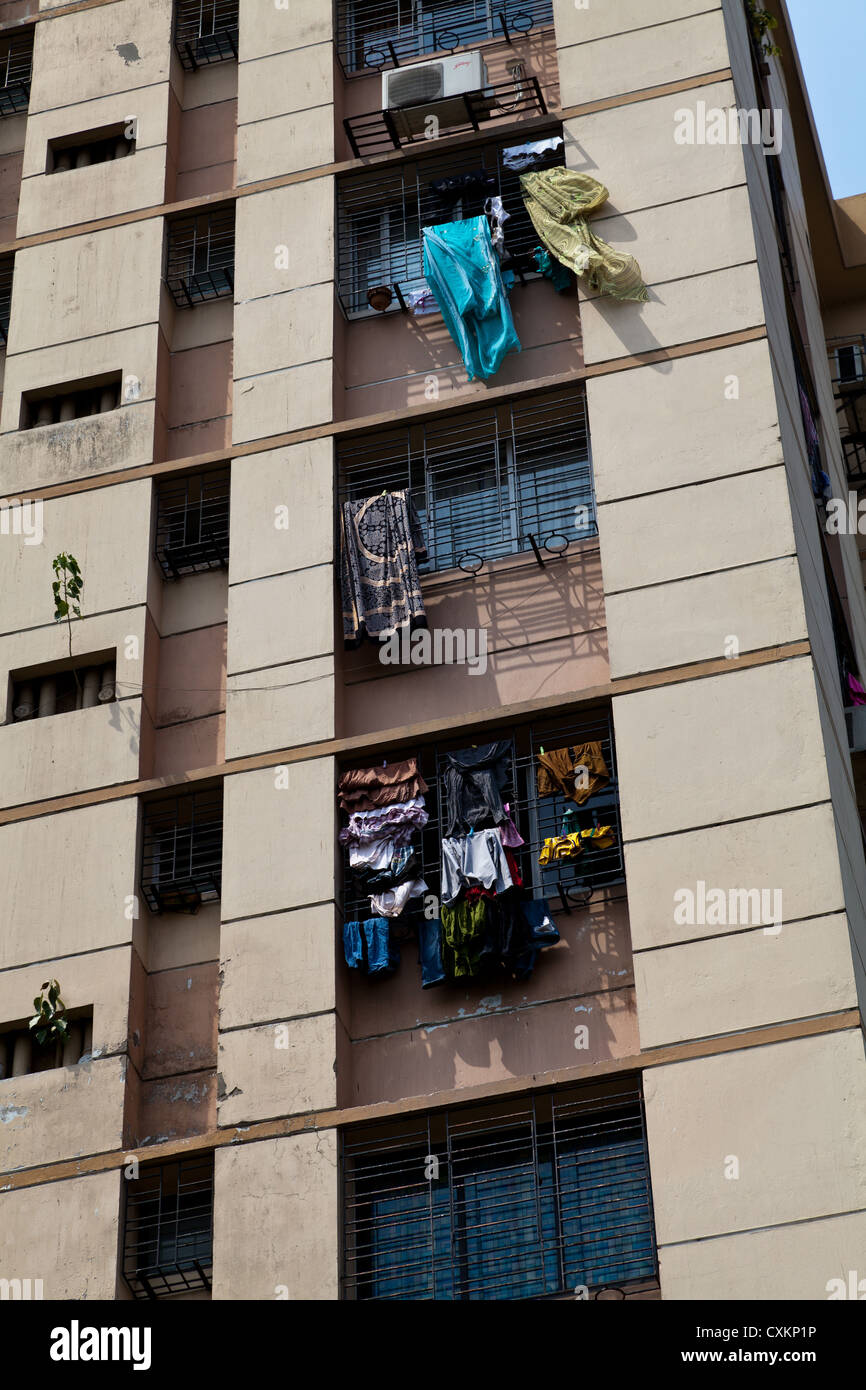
x,y
643,1074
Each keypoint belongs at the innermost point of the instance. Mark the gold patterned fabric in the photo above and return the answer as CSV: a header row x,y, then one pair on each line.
x,y
558,202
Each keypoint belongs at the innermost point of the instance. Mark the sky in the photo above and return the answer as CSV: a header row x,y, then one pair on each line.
x,y
831,41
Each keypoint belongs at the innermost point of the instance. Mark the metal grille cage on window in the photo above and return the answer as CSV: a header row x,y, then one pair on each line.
x,y
487,482
6,266
168,1228
566,884
380,217
182,860
200,257
16,63
192,523
528,1198
371,33
206,31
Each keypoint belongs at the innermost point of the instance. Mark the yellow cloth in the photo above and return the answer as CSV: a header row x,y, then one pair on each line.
x,y
558,202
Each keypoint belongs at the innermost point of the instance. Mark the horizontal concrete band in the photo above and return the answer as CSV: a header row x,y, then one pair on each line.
x,y
388,419
385,739
334,1119
354,166
61,11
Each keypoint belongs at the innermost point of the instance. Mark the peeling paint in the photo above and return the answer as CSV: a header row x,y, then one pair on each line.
x,y
8,1113
128,52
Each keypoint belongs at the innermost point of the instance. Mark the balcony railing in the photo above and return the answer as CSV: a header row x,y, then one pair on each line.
x,y
381,216
206,31
168,1228
525,1199
488,482
192,523
847,358
182,860
374,33
378,132
16,64
200,257
564,885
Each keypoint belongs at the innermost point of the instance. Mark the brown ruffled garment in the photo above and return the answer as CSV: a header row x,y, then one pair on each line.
x,y
556,772
365,788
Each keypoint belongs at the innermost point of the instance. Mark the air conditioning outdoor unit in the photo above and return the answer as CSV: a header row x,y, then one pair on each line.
x,y
437,88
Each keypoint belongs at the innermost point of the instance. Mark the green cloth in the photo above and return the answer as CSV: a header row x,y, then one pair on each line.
x,y
553,269
558,202
463,925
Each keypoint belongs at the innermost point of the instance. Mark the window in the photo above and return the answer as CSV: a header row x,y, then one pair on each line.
x,y
523,1199
16,62
381,217
21,1054
182,860
192,525
200,257
90,147
6,265
74,400
46,690
368,30
206,31
487,482
565,884
168,1228
848,374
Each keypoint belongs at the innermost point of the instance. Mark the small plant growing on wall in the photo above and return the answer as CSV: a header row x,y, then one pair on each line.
x,y
67,586
48,1025
763,23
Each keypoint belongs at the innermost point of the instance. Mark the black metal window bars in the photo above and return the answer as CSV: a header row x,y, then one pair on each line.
x,y
206,31
381,216
200,257
16,66
6,268
182,859
525,1198
848,375
565,885
487,482
192,523
168,1228
373,33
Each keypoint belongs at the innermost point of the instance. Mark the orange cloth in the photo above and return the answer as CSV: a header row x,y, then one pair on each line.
x,y
556,772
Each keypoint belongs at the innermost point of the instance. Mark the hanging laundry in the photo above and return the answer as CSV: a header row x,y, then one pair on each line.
x,y
496,218
478,858
392,901
576,773
858,694
558,202
553,270
508,832
381,543
463,929
368,946
543,930
397,823
462,270
533,153
474,780
430,953
402,864
365,788
422,302
478,184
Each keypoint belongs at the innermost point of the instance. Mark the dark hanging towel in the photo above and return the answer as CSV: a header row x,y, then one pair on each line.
x,y
474,780
381,542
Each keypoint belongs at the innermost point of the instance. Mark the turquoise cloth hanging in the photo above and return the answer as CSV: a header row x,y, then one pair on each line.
x,y
462,270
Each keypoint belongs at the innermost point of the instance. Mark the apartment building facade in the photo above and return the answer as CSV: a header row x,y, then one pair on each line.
x,y
218,337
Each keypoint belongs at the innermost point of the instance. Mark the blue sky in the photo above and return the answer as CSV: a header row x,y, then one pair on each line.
x,y
831,40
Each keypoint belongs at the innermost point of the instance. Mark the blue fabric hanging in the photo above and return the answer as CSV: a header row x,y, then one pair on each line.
x,y
462,269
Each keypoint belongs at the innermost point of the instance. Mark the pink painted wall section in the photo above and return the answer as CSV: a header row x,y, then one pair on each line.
x,y
199,407
394,361
206,150
186,747
10,189
190,700
537,52
407,1042
545,637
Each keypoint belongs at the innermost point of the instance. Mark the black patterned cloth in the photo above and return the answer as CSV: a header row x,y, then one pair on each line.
x,y
381,542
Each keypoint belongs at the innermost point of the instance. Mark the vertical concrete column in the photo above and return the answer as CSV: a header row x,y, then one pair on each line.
x,y
724,783
278,1025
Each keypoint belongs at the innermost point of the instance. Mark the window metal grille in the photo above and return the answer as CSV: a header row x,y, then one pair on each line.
x,y
192,523
489,482
527,1198
381,217
182,860
848,375
372,33
200,257
565,884
206,31
16,64
168,1228
6,266
379,132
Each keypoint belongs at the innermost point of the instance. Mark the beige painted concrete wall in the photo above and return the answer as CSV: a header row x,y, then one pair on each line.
x,y
65,1234
276,1219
